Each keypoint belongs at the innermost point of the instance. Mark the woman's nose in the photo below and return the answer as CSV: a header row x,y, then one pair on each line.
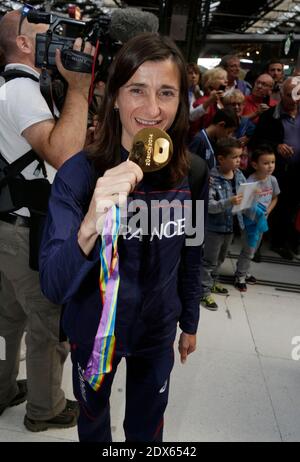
x,y
152,105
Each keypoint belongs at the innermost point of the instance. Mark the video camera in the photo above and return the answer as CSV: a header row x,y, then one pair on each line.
x,y
62,33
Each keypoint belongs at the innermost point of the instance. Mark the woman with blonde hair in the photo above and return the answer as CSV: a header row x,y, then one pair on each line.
x,y
214,83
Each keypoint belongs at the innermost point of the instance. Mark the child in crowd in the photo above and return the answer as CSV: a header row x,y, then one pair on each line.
x,y
225,180
224,123
263,162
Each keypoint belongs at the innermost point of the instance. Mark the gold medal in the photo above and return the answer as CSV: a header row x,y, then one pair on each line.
x,y
152,149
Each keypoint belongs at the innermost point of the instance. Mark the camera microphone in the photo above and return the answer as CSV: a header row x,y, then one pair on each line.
x,y
129,22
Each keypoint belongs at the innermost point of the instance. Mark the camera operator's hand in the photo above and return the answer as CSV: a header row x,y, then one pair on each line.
x,y
57,141
78,81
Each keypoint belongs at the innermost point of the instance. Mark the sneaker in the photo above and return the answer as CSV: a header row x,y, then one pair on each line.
x,y
257,257
240,284
219,289
250,279
19,398
209,303
66,419
296,252
284,252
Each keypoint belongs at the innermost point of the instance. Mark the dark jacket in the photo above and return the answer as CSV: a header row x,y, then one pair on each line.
x,y
270,130
159,275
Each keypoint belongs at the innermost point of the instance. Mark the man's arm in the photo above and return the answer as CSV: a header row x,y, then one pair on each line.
x,y
57,141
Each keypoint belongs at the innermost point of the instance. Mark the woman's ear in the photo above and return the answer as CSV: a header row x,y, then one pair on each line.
x,y
24,44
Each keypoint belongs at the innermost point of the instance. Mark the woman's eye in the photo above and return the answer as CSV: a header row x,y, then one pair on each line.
x,y
167,93
136,91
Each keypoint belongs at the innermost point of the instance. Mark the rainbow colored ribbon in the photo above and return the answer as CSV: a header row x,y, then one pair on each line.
x,y
100,361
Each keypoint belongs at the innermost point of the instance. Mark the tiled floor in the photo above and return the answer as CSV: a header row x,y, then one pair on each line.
x,y
240,385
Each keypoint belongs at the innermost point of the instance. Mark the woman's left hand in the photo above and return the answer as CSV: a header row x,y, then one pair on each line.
x,y
186,345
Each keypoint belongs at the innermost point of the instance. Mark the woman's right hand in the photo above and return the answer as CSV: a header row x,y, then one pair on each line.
x,y
214,96
111,189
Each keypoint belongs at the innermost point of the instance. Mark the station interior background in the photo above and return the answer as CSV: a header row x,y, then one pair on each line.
x,y
257,30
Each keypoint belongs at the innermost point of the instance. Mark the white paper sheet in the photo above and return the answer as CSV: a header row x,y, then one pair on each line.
x,y
249,193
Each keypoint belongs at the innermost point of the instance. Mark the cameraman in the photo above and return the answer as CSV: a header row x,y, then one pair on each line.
x,y
26,122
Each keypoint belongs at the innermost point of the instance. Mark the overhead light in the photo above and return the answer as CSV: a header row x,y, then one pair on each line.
x,y
208,63
246,60
214,5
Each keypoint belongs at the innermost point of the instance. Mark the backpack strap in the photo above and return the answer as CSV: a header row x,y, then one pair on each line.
x,y
46,89
44,80
16,167
16,73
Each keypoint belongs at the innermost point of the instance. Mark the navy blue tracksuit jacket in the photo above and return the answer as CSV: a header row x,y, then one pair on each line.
x,y
160,277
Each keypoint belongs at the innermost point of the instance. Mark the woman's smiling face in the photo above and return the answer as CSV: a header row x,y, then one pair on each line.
x,y
150,98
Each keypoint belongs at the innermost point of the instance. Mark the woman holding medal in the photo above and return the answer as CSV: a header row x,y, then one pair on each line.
x,y
149,279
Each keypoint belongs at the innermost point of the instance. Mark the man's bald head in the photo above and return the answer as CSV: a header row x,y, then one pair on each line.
x,y
18,48
8,33
263,85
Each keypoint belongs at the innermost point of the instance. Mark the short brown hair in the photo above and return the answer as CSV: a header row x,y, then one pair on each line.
x,y
224,146
193,67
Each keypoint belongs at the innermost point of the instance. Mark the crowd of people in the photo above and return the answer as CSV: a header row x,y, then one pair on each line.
x,y
265,120
224,134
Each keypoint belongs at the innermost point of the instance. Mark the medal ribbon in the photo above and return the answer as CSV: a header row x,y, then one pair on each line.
x,y
100,361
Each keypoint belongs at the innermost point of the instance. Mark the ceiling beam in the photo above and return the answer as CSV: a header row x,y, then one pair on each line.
x,y
242,38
